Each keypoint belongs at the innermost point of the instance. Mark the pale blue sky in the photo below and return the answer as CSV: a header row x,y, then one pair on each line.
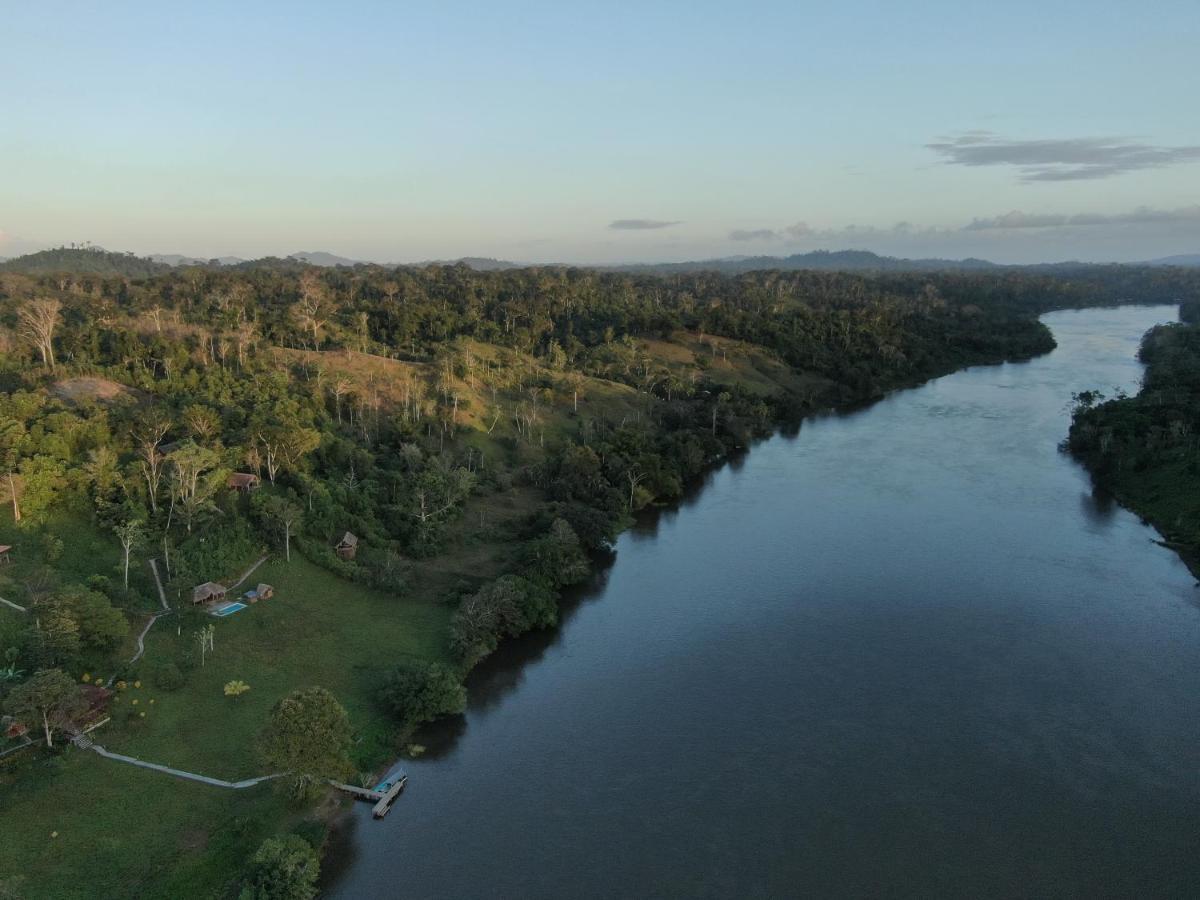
x,y
523,130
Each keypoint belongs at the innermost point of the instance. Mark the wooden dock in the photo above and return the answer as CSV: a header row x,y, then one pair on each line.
x,y
385,802
358,793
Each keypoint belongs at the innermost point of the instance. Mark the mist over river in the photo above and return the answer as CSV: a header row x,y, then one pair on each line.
x,y
903,651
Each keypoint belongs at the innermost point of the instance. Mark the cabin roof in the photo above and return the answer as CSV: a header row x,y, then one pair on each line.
x,y
242,479
209,589
348,540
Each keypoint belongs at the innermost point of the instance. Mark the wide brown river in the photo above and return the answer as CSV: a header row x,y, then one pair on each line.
x,y
902,652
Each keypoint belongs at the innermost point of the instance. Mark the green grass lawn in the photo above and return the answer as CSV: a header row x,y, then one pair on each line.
x,y
124,831
80,826
317,630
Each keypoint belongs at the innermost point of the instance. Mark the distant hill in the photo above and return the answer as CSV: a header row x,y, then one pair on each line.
x,y
1184,259
84,260
478,263
324,258
177,260
826,260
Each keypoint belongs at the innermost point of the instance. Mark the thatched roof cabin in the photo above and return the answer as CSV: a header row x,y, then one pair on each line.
x,y
347,546
209,592
242,481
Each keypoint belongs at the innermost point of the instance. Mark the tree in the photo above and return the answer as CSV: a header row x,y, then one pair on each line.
x,y
556,558
282,512
308,737
50,697
204,640
12,436
193,480
130,534
420,692
722,398
283,868
54,636
201,421
147,436
36,321
101,625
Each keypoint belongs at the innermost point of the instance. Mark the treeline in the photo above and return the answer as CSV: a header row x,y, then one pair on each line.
x,y
1143,449
130,401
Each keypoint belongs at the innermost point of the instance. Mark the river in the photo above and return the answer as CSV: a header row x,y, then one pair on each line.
x,y
904,651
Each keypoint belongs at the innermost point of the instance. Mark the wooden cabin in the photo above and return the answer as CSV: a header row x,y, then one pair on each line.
x,y
209,592
347,546
262,592
4,551
245,482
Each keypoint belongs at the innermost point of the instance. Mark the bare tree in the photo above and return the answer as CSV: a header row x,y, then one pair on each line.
x,y
148,436
340,387
37,320
635,478
130,535
310,313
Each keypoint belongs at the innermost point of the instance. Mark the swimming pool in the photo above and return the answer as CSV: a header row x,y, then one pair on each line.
x,y
229,610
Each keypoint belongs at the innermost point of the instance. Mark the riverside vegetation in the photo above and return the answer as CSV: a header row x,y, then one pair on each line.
x,y
1143,449
482,434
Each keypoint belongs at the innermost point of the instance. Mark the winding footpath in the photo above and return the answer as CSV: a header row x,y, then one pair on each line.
x,y
86,743
245,575
13,605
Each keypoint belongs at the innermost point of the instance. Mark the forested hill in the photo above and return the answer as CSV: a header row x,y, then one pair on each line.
x,y
819,260
83,260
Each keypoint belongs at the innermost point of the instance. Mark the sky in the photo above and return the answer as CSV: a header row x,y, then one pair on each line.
x,y
603,132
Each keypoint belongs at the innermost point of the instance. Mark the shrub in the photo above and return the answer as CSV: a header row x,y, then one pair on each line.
x,y
508,606
283,868
416,693
168,677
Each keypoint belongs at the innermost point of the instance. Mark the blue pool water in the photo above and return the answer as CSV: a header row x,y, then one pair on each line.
x,y
230,609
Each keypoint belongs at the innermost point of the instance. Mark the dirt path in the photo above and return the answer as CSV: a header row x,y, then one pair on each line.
x,y
162,595
246,574
84,742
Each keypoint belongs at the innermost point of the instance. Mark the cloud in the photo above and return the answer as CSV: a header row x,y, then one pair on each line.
x,y
756,234
640,224
1143,215
1070,159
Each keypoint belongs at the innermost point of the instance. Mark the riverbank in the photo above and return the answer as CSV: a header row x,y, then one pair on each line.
x,y
320,628
833,642
1142,449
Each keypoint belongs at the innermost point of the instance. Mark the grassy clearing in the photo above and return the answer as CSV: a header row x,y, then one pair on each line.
x,y
316,630
124,832
735,363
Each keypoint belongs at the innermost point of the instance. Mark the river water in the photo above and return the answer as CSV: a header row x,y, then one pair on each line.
x,y
902,652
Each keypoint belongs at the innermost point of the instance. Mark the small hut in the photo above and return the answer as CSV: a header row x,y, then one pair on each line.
x,y
347,546
4,550
245,482
262,592
209,592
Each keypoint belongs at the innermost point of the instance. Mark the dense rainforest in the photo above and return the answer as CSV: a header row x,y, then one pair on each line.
x,y
424,458
1143,449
